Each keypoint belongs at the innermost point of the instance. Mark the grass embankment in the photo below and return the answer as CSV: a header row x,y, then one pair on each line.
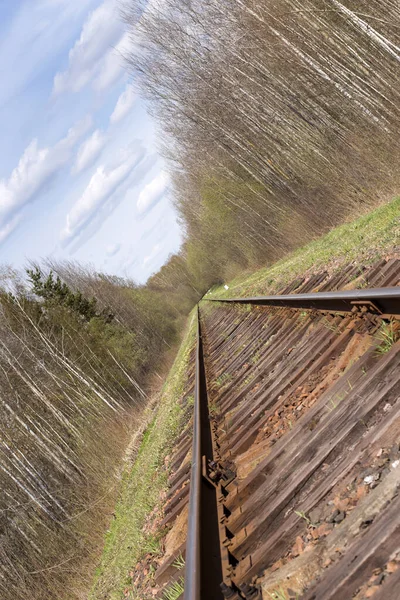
x,y
362,241
143,483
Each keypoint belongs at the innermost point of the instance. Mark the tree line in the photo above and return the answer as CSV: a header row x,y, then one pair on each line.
x,y
77,353
279,118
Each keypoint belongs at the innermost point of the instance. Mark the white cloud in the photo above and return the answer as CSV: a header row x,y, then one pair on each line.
x,y
112,65
36,167
124,105
89,151
101,30
113,249
152,193
153,254
35,27
99,192
9,228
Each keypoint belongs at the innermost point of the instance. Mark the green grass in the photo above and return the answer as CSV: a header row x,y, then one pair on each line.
x,y
142,484
387,336
174,591
222,379
362,241
303,516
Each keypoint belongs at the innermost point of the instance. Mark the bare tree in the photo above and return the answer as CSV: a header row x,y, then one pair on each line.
x,y
285,113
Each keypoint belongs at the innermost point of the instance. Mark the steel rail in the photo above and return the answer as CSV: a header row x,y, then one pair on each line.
x,y
207,558
381,301
192,560
203,569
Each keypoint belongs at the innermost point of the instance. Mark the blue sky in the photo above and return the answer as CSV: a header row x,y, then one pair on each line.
x,y
80,176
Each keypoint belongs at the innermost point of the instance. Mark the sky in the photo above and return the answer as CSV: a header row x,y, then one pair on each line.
x,y
80,175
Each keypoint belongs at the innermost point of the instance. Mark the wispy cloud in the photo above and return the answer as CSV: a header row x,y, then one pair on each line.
x,y
153,254
112,66
9,227
152,193
101,188
124,105
89,150
113,249
36,167
36,34
101,30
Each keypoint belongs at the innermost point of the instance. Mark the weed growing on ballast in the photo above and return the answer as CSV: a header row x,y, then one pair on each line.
x,y
303,516
174,591
179,563
224,378
330,325
335,401
387,336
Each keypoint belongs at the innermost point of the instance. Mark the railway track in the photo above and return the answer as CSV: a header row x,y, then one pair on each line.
x,y
292,491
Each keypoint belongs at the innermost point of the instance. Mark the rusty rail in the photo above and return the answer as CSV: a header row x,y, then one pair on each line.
x,y
384,302
209,563
203,574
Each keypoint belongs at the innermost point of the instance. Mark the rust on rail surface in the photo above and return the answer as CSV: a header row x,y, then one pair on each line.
x,y
203,552
384,302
